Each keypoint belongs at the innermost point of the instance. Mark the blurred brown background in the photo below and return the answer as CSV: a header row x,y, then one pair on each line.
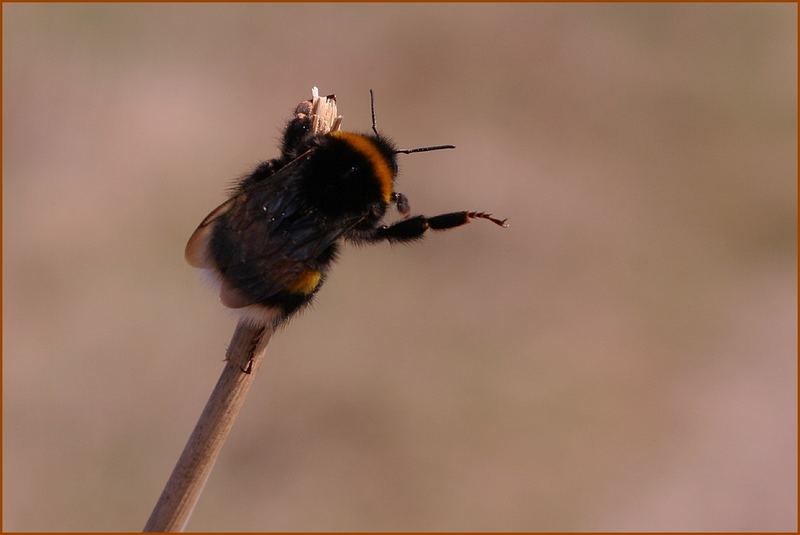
x,y
622,358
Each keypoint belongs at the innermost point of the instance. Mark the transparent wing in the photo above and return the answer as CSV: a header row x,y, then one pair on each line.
x,y
261,239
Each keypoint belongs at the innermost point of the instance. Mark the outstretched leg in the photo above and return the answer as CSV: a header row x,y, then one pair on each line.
x,y
414,227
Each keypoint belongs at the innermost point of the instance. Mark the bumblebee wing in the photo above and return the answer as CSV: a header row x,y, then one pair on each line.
x,y
197,251
262,241
268,260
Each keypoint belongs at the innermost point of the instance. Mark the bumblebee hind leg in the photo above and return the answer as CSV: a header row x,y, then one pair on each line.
x,y
294,136
296,131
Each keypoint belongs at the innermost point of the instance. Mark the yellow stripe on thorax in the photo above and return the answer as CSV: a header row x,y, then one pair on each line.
x,y
305,283
368,150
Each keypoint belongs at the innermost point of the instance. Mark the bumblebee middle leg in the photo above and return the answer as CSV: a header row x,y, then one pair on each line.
x,y
401,201
413,228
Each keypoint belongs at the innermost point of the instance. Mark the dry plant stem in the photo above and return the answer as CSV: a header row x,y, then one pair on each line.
x,y
245,353
189,476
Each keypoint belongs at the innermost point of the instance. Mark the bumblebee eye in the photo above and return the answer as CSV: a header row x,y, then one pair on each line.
x,y
354,169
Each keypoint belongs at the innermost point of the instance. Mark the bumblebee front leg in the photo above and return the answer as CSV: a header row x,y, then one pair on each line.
x,y
414,227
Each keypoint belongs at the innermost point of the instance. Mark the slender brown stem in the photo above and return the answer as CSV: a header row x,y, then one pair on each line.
x,y
189,476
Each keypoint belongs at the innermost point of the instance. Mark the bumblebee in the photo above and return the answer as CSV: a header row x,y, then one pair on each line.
x,y
271,244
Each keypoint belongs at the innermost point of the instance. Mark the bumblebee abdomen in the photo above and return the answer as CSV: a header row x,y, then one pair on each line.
x,y
269,261
306,283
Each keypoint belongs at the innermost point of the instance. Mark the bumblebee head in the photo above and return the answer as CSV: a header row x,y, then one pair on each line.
x,y
369,158
383,153
352,171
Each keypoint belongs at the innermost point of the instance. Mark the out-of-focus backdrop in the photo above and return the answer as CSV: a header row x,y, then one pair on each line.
x,y
623,357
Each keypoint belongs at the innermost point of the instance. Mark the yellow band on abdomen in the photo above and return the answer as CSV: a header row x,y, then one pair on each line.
x,y
305,283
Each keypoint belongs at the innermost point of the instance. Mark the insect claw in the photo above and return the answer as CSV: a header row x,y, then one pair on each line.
x,y
486,215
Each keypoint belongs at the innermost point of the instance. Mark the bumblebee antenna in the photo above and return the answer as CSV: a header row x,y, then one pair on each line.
x,y
401,151
424,149
372,107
